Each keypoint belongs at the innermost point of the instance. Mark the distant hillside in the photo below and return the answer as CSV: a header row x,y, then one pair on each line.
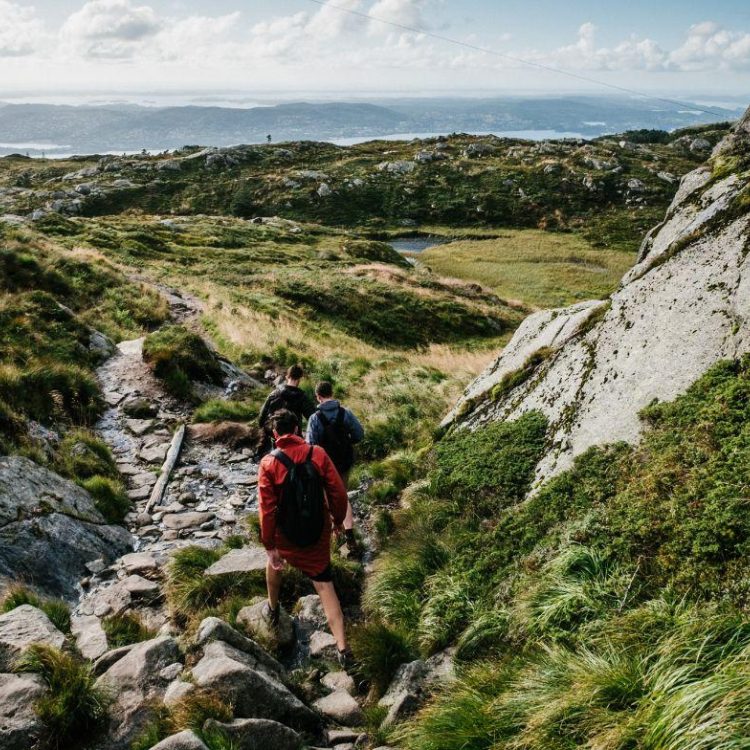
x,y
56,129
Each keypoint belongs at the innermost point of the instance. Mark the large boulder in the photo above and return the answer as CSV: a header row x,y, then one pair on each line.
x,y
685,305
136,682
413,683
22,627
252,691
341,707
20,727
50,528
251,618
214,629
256,734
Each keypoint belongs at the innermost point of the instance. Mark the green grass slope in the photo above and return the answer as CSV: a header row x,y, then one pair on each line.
x,y
607,610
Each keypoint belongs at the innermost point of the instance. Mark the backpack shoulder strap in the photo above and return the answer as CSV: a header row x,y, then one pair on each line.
x,y
279,455
340,414
323,418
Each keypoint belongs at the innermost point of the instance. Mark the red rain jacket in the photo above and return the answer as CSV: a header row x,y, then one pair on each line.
x,y
310,560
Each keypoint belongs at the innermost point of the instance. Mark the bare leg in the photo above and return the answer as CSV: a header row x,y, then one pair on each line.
x,y
349,518
331,606
273,583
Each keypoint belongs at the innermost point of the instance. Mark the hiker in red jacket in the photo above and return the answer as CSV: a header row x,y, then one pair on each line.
x,y
313,560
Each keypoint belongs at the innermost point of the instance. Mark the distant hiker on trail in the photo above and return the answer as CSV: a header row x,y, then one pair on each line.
x,y
300,496
286,396
337,430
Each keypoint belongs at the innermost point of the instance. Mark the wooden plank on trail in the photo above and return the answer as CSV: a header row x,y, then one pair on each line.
x,y
166,470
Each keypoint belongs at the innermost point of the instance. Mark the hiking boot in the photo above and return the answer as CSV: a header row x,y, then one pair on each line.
x,y
345,659
353,545
271,616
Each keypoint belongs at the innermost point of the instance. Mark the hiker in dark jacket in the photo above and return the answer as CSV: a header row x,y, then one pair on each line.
x,y
337,430
286,396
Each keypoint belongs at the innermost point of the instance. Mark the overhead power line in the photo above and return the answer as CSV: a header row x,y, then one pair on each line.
x,y
515,59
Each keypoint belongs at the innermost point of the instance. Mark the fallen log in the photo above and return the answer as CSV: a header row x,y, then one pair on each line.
x,y
166,470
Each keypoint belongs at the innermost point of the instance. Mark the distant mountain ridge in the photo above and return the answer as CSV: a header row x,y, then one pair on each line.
x,y
128,127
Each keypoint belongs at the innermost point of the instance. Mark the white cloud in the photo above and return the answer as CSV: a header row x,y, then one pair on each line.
x,y
330,22
196,37
21,30
403,12
110,28
711,47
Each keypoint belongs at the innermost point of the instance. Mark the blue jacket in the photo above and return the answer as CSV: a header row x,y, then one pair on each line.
x,y
330,409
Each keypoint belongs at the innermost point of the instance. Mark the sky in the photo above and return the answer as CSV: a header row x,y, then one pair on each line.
x,y
302,48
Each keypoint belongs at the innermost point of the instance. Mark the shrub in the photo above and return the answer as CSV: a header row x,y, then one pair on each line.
x,y
219,410
178,356
189,592
82,455
56,609
125,629
73,711
109,496
379,650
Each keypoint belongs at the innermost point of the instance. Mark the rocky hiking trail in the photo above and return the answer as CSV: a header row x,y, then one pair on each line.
x,y
202,500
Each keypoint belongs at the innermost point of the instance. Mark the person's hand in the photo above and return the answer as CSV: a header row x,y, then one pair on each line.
x,y
274,559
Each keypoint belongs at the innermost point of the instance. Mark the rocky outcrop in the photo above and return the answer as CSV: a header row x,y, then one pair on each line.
x,y
685,305
22,627
20,727
50,528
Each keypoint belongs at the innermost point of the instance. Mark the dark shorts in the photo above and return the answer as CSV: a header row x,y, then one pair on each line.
x,y
326,576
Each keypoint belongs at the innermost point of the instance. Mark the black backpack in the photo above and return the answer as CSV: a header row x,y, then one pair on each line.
x,y
337,441
301,510
277,401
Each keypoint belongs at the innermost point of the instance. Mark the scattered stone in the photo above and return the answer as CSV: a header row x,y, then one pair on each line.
x,y
144,478
91,639
309,609
186,740
142,493
105,661
339,736
257,734
636,186
251,618
139,427
154,454
323,645
187,520
21,627
171,672
20,727
176,691
341,707
141,588
339,681
139,562
113,397
140,408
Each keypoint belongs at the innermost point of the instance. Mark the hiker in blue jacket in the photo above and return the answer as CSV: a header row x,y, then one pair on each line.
x,y
337,430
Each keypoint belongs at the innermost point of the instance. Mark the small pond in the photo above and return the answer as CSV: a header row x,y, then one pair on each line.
x,y
417,244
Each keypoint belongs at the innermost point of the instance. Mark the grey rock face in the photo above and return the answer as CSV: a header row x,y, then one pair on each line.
x,y
50,528
19,726
684,306
90,636
136,683
20,628
322,645
257,734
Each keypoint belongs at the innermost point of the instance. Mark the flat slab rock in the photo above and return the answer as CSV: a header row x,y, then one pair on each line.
x,y
244,560
139,562
189,520
322,645
21,627
91,639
